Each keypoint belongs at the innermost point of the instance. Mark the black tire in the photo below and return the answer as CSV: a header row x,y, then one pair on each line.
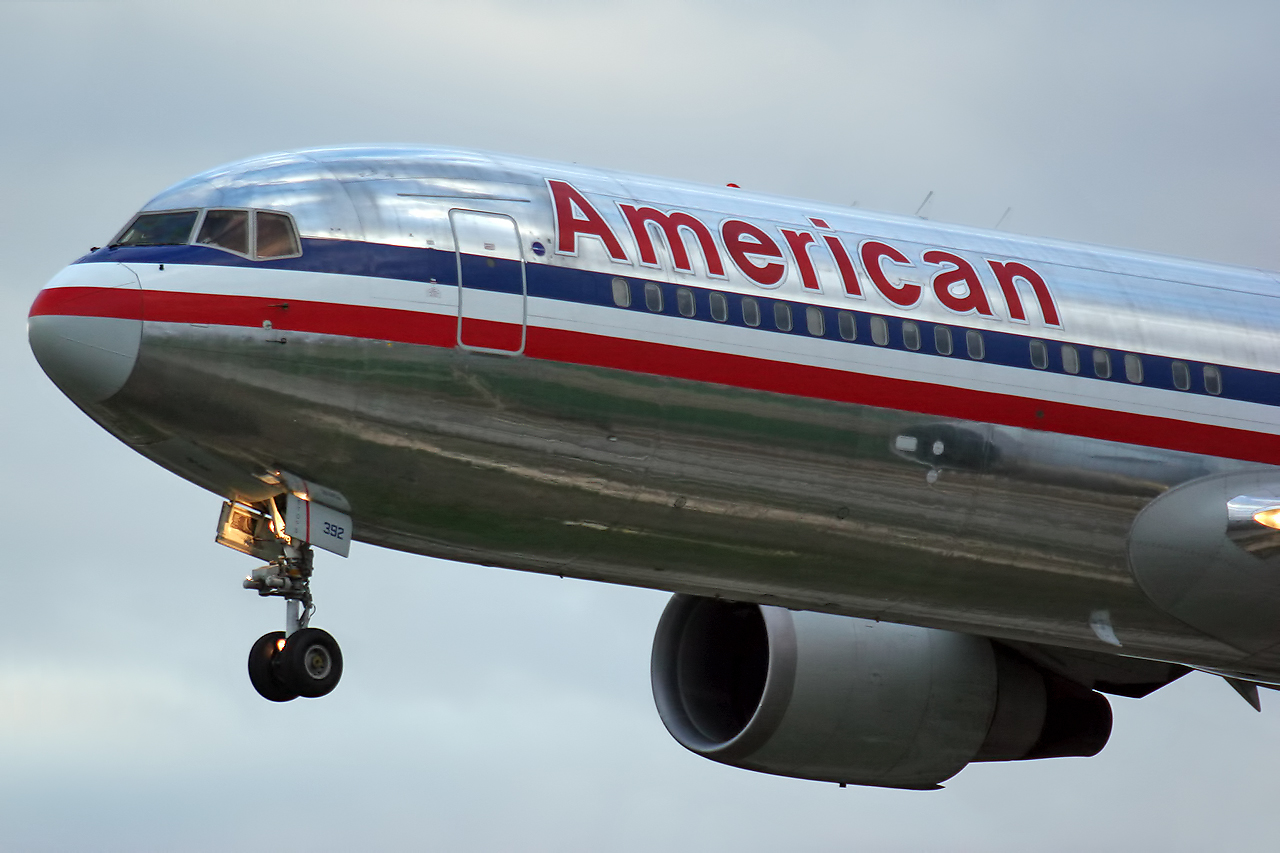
x,y
264,665
311,663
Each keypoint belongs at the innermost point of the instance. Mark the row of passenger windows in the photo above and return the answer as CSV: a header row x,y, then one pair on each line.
x,y
271,235
943,337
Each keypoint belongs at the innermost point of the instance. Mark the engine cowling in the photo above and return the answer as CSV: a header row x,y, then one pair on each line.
x,y
1199,553
838,699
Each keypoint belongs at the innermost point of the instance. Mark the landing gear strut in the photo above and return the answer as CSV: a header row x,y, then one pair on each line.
x,y
301,660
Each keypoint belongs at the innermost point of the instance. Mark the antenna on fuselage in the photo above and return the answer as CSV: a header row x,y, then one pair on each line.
x,y
1003,217
923,205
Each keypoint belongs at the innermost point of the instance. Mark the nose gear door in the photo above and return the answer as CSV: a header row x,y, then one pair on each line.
x,y
491,282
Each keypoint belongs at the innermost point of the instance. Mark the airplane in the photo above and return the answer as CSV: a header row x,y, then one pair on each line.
x,y
924,494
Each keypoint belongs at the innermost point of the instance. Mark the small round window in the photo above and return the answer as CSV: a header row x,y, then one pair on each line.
x,y
1212,379
1039,355
848,327
653,297
942,340
1181,376
621,293
1102,364
879,331
684,302
910,335
1070,359
1133,368
974,344
719,307
782,316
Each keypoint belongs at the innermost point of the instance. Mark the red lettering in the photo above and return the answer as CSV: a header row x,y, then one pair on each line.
x,y
741,241
905,294
798,242
670,225
1008,273
974,298
844,263
568,202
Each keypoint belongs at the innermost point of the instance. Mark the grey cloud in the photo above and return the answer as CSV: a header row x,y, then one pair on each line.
x,y
485,709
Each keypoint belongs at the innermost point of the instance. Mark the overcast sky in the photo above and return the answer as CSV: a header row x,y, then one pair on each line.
x,y
482,709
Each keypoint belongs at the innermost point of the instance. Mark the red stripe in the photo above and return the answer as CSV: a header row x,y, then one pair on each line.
x,y
124,303
389,324
324,318
902,394
490,334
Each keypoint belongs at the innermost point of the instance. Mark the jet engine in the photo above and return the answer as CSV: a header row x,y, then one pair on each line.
x,y
838,699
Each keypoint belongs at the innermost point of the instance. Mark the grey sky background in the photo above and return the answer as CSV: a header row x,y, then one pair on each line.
x,y
484,709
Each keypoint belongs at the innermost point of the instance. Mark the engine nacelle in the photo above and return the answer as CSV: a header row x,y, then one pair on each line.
x,y
838,699
1207,553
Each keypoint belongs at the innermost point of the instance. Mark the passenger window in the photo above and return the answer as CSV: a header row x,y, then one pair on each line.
x,y
782,316
652,297
275,236
226,229
879,331
750,311
974,344
719,307
910,335
1070,359
1181,376
159,229
1039,355
942,340
1102,364
684,302
847,325
1212,379
1133,368
621,293
813,321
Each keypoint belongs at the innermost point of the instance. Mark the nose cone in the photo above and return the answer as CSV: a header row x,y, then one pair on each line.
x,y
85,329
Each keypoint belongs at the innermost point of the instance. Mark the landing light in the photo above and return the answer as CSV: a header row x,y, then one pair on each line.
x,y
1244,511
1253,523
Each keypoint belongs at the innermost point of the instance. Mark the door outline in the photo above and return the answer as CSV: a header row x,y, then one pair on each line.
x,y
462,289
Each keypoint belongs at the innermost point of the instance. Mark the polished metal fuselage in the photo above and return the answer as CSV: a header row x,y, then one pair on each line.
x,y
664,481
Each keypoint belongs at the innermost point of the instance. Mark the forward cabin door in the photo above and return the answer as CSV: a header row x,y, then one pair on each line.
x,y
491,286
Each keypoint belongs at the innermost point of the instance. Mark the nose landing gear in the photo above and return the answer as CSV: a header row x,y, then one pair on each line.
x,y
300,660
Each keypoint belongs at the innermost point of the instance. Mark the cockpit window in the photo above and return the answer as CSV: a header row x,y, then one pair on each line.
x,y
171,228
226,229
268,235
275,236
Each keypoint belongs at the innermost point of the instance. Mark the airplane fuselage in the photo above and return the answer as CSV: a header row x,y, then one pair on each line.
x,y
709,391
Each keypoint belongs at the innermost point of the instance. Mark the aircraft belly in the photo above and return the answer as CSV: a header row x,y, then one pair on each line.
x,y
631,478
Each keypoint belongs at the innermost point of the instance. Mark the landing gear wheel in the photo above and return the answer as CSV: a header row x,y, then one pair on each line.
x,y
264,666
311,663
